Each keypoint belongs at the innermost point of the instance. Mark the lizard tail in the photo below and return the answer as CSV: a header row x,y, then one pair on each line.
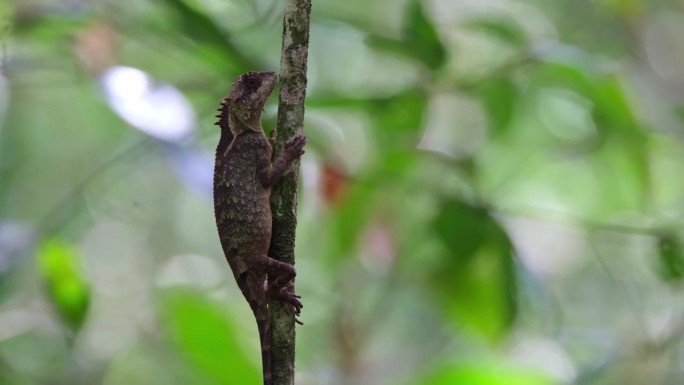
x,y
265,337
252,287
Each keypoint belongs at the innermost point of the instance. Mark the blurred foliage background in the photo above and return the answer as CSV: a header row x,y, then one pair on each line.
x,y
492,192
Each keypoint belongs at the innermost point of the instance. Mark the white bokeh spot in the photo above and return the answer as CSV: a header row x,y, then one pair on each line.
x,y
159,110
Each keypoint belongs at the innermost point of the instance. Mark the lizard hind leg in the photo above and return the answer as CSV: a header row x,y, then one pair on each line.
x,y
281,276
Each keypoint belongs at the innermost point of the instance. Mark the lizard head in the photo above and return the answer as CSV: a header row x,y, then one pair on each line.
x,y
247,99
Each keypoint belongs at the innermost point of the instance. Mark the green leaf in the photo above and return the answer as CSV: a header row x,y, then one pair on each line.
x,y
393,46
67,288
612,108
420,34
493,374
498,97
44,26
474,281
504,29
363,201
419,39
462,228
399,118
196,24
349,220
679,113
7,377
38,357
613,114
625,137
571,73
613,104
204,333
148,363
671,258
621,149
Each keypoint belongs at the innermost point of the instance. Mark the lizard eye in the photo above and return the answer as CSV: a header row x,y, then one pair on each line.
x,y
251,82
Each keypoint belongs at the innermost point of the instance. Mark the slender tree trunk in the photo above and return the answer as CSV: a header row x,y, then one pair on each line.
x,y
284,198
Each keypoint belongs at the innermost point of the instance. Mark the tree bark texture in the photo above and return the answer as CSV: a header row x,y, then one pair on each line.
x,y
293,80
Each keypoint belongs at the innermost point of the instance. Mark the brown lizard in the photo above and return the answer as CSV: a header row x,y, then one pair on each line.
x,y
244,174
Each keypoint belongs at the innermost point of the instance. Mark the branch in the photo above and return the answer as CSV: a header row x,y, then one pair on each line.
x,y
284,197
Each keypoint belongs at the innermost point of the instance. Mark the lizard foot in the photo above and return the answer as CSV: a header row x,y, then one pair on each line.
x,y
294,148
286,294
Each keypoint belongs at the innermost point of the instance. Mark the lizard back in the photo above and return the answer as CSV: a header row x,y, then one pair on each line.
x,y
241,203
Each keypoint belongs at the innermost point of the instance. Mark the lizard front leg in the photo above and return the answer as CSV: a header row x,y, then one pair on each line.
x,y
271,174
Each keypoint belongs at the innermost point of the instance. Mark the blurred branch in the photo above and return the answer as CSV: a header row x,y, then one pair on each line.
x,y
550,215
293,81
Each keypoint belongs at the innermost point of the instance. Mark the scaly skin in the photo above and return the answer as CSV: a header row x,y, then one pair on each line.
x,y
243,177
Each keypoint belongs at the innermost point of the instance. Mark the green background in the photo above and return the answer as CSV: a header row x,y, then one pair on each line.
x,y
492,194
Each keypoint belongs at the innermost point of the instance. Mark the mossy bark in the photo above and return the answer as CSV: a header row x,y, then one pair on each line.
x,y
293,79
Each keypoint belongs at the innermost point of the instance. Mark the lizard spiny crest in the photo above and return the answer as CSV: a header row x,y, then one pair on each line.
x,y
246,101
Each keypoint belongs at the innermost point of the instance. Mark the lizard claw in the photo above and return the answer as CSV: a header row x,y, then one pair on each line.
x,y
295,146
286,294
293,300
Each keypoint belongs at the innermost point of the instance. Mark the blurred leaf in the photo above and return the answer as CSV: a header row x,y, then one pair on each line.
x,y
621,150
349,220
149,364
196,24
17,241
624,9
205,334
504,29
621,174
671,258
43,22
613,105
37,356
399,118
9,377
334,183
462,228
393,46
498,97
485,375
679,112
363,201
571,73
614,116
475,281
67,288
419,40
421,35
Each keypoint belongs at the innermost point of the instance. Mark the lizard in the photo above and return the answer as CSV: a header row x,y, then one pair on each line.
x,y
244,173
